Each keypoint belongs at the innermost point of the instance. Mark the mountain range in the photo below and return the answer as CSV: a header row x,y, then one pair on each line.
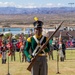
x,y
54,10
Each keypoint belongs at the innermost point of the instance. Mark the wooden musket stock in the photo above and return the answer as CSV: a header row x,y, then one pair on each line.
x,y
33,60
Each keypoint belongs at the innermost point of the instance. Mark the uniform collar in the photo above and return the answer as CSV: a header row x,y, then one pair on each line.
x,y
38,36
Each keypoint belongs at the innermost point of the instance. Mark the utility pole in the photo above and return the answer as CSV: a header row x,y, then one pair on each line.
x,y
70,14
71,4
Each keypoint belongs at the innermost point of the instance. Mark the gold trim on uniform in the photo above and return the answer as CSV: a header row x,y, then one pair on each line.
x,y
38,36
39,44
42,54
29,39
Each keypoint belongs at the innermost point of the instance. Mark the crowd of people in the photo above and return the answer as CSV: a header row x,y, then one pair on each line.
x,y
8,46
54,45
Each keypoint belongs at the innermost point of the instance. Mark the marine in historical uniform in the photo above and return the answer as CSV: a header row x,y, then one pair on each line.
x,y
1,35
11,47
34,43
4,51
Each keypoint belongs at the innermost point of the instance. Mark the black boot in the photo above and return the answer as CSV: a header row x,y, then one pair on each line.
x,y
61,58
2,61
5,61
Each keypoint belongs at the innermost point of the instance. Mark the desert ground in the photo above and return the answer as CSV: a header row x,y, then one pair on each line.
x,y
50,20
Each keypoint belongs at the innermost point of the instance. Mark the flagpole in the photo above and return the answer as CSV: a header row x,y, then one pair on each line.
x,y
57,63
8,64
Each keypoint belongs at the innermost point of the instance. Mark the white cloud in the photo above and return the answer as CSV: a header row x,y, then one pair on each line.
x,y
12,4
54,5
5,4
29,5
49,5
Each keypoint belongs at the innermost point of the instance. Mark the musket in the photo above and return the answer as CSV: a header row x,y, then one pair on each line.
x,y
42,47
69,35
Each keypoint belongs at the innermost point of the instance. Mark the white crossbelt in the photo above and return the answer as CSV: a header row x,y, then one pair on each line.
x,y
38,45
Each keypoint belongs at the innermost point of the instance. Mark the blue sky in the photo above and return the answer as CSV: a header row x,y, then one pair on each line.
x,y
36,3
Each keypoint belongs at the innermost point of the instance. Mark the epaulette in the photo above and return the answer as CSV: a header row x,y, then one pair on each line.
x,y
29,39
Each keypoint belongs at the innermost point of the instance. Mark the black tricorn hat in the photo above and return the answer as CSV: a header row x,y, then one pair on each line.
x,y
1,35
38,24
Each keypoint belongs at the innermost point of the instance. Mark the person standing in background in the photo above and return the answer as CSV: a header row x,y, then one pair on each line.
x,y
11,47
60,48
22,45
63,49
3,49
51,49
1,35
